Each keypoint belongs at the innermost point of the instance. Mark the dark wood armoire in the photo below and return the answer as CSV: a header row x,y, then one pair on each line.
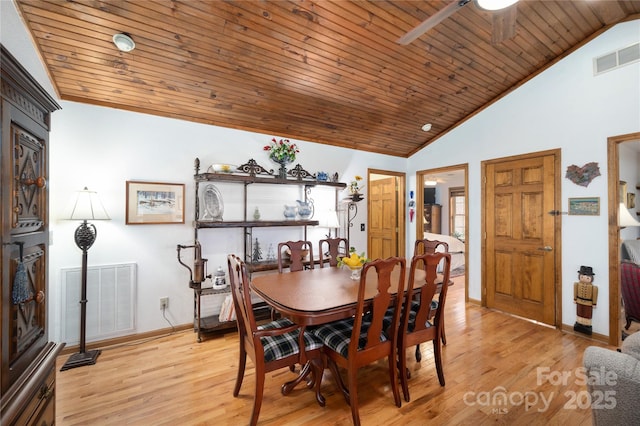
x,y
27,357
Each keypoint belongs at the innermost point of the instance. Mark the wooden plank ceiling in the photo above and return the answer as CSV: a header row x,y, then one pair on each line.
x,y
331,72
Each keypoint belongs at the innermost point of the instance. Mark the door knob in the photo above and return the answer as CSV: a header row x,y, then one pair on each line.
x,y
546,248
40,182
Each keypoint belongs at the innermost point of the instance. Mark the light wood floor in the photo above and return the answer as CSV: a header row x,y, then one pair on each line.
x,y
174,380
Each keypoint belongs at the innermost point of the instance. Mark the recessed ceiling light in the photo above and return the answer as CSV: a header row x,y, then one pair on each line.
x,y
426,127
124,42
495,4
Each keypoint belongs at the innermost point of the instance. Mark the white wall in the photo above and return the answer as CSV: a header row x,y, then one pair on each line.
x,y
103,148
568,108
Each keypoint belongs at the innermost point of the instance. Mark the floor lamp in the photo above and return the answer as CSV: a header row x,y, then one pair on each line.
x,y
86,206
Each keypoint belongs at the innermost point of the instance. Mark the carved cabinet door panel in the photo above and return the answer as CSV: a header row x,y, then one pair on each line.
x,y
26,243
29,189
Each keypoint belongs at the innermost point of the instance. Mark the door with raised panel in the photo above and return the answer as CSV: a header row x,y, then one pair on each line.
x,y
383,220
521,236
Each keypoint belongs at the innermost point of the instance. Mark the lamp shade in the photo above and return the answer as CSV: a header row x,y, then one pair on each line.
x,y
625,218
86,205
333,219
330,220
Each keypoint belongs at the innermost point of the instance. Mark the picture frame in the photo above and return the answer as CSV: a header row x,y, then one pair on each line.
x,y
631,200
153,203
584,206
622,192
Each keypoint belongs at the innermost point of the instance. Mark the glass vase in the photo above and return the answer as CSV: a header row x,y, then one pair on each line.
x,y
356,272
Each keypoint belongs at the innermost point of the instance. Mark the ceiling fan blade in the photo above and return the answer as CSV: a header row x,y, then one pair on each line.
x,y
504,25
432,21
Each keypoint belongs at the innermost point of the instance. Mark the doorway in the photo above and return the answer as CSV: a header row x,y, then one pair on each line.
x,y
521,228
386,214
614,143
442,211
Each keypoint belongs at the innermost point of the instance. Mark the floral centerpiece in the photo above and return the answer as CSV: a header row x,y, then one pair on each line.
x,y
354,261
282,152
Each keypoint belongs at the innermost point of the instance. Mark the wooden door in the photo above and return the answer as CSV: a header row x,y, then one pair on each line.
x,y
520,237
383,218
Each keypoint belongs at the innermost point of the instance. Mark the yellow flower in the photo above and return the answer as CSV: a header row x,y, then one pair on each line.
x,y
354,260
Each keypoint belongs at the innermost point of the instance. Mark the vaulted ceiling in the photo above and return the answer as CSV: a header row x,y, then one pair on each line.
x,y
330,72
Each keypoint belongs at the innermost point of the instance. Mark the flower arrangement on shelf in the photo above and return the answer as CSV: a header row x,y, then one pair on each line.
x,y
282,151
354,186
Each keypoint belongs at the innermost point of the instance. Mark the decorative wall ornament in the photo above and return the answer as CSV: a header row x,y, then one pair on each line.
x,y
252,168
299,173
583,175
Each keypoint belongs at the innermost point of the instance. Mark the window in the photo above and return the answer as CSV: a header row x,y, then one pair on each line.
x,y
457,222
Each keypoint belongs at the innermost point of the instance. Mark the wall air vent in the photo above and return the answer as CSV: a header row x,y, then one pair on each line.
x,y
616,59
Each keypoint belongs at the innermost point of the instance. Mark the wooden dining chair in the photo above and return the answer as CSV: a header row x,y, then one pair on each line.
x,y
419,322
335,248
429,246
361,339
298,252
270,346
294,260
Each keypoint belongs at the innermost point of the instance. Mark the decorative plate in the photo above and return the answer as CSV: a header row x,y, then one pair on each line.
x,y
212,201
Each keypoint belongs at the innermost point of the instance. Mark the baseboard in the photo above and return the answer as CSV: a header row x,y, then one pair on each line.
x,y
102,344
596,337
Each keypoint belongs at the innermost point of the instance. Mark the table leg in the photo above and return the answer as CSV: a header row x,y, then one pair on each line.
x,y
289,386
317,365
312,372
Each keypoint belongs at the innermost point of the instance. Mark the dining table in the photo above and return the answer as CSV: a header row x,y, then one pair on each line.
x,y
319,296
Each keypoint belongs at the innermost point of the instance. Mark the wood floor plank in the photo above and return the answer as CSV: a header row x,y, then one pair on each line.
x,y
175,380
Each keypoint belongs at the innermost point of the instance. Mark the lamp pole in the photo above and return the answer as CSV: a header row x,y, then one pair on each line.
x,y
87,206
85,236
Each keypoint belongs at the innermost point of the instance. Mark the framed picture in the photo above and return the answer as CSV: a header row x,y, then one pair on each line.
x,y
622,192
588,206
631,200
154,203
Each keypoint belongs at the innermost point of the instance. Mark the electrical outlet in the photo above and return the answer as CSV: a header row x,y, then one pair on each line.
x,y
164,303
362,226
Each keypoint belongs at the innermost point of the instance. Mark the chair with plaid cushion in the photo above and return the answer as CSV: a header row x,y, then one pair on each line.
x,y
336,248
270,346
297,252
360,340
419,322
430,246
